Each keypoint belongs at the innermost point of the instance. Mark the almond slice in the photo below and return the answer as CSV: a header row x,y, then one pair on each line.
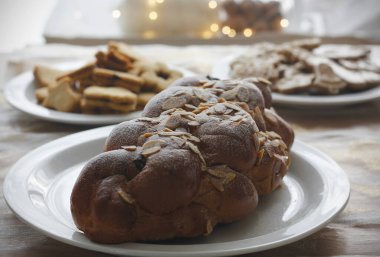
x,y
152,150
130,148
125,196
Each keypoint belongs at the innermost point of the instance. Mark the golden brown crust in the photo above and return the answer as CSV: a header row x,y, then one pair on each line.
x,y
194,161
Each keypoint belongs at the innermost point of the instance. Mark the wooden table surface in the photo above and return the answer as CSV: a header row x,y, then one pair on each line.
x,y
349,135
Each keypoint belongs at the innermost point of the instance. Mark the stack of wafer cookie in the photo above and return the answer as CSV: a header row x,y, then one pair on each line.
x,y
118,81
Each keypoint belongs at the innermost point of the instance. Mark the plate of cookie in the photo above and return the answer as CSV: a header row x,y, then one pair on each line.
x,y
113,88
38,189
309,73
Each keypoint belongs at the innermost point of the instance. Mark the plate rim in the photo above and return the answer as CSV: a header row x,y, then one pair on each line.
x,y
93,134
221,69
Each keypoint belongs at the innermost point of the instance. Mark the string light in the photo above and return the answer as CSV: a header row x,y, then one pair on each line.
x,y
153,16
232,33
212,4
284,23
214,27
116,14
226,30
247,32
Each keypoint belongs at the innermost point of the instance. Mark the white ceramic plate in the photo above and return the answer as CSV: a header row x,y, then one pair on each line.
x,y
222,70
19,92
38,188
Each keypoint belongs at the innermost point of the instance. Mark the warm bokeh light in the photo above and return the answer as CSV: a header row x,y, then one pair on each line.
x,y
248,32
206,34
160,1
226,30
232,33
153,16
214,27
284,23
116,14
212,4
152,3
149,34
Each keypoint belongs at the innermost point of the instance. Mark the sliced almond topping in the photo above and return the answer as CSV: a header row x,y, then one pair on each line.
x,y
232,106
152,150
208,84
283,158
229,95
153,143
255,127
194,139
229,177
200,109
221,100
202,118
168,111
262,140
242,94
172,122
167,130
256,141
269,152
217,172
182,112
173,102
130,148
260,156
195,149
189,117
147,119
236,118
201,94
217,183
209,228
265,81
228,112
179,141
190,106
275,143
146,135
179,93
173,133
193,123
220,108
273,134
125,196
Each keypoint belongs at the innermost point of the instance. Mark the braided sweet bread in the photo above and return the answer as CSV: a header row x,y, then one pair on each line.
x,y
201,155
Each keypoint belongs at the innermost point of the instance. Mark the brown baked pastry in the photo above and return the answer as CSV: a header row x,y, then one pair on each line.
x,y
201,156
307,67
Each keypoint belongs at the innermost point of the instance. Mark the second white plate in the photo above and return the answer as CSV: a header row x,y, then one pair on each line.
x,y
222,70
315,190
19,92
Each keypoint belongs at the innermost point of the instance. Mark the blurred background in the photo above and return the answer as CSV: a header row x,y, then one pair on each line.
x,y
32,24
181,21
